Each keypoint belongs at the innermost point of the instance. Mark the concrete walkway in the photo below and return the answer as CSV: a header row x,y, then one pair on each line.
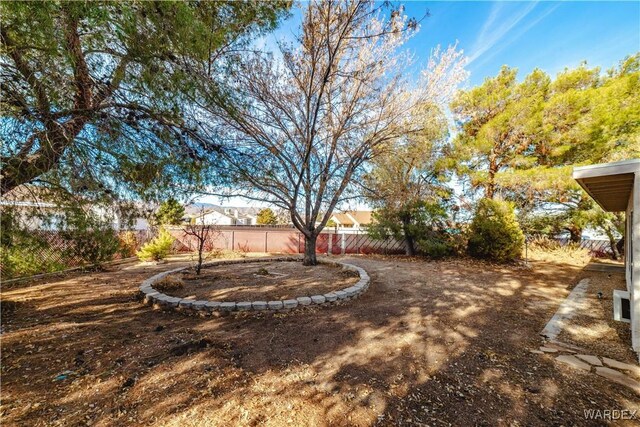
x,y
569,307
606,268
576,357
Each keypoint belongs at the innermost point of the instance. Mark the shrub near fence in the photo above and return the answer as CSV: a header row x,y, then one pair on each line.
x,y
47,251
289,240
43,251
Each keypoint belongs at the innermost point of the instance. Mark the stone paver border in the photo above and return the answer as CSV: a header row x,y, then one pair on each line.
x,y
203,307
610,369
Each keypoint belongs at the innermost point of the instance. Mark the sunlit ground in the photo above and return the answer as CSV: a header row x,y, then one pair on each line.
x,y
429,342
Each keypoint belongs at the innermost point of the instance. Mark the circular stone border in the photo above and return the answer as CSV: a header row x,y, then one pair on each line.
x,y
204,307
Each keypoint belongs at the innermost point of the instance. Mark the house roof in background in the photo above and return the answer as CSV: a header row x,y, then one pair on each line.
x,y
353,217
29,195
200,209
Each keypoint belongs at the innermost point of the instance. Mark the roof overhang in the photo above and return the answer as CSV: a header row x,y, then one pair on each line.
x,y
609,184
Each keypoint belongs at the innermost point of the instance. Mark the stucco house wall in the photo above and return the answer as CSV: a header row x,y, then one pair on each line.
x,y
633,260
616,188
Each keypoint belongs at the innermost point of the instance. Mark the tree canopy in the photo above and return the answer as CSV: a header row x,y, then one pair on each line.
x,y
308,117
93,91
407,184
520,140
170,212
267,217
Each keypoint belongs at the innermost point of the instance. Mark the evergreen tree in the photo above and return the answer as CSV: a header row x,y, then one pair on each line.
x,y
170,212
495,233
522,140
267,217
103,84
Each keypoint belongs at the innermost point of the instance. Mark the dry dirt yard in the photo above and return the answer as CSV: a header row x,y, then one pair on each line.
x,y
430,343
266,281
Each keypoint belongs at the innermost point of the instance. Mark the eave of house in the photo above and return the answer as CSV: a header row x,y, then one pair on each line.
x,y
609,184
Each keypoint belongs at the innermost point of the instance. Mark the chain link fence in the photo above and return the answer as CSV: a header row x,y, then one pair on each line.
x,y
596,248
32,252
43,251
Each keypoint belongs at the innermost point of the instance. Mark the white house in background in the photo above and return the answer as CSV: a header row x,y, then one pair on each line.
x,y
355,220
223,216
37,209
616,188
213,217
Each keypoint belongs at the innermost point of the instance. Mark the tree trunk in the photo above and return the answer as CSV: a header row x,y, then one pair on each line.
x,y
410,244
490,187
614,249
310,250
620,246
200,259
490,190
612,244
575,234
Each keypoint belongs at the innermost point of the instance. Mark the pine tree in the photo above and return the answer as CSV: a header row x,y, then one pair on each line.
x,y
267,217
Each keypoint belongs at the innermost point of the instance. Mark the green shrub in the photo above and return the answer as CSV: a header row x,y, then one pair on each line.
x,y
128,244
91,240
83,239
420,224
170,212
495,233
435,247
25,252
267,217
25,259
158,248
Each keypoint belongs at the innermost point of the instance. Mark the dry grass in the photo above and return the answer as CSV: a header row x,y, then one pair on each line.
x,y
544,249
169,284
225,254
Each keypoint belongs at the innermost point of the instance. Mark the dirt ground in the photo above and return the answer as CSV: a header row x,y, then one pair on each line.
x,y
593,328
430,343
260,281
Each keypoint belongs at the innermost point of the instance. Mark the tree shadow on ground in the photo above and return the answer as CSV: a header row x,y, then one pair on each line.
x,y
429,342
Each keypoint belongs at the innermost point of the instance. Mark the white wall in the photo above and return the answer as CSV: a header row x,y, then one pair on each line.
x,y
215,218
633,261
246,221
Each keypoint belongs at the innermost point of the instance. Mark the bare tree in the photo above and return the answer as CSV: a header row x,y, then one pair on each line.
x,y
203,234
308,117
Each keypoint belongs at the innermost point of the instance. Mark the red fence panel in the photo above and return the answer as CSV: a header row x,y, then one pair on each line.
x,y
287,240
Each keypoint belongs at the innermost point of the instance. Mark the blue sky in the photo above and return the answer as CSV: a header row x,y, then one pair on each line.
x,y
526,35
550,35
544,34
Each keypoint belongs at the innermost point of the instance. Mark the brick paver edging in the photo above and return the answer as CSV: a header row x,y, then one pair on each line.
x,y
156,298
